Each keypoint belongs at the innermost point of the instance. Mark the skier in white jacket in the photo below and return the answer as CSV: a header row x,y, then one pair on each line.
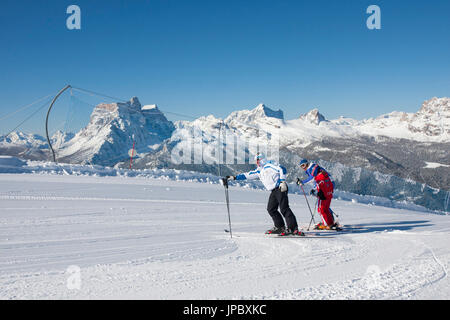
x,y
273,178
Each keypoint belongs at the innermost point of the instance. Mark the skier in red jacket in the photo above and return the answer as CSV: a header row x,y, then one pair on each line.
x,y
324,187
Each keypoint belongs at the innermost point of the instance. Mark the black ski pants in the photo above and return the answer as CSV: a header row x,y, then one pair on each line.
x,y
280,199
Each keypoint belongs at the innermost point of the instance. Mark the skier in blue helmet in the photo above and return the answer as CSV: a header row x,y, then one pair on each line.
x,y
324,192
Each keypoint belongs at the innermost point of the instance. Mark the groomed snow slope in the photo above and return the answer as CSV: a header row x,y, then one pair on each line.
x,y
150,238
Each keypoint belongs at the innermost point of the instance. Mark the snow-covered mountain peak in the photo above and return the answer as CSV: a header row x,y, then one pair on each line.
x,y
264,111
59,138
206,123
436,106
133,104
21,138
119,107
134,101
111,130
432,119
313,116
430,123
148,107
260,113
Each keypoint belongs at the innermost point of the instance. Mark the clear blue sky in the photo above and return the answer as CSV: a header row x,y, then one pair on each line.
x,y
202,57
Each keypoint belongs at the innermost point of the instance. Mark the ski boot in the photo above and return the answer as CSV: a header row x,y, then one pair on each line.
x,y
276,230
336,227
321,226
295,232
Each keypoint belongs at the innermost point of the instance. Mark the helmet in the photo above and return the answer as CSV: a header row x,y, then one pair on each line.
x,y
259,158
303,162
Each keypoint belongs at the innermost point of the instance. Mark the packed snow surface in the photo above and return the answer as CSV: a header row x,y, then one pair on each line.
x,y
66,236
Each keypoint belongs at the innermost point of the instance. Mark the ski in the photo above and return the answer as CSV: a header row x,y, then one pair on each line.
x,y
291,236
336,228
307,236
341,230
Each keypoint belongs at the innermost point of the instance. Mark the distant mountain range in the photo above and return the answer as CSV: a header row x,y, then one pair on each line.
x,y
403,156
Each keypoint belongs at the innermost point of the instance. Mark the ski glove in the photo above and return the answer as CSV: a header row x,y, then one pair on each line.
x,y
283,186
299,182
230,178
321,195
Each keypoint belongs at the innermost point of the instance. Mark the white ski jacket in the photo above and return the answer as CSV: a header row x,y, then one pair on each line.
x,y
270,174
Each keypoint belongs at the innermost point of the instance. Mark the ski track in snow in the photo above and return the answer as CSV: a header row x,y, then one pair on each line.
x,y
151,239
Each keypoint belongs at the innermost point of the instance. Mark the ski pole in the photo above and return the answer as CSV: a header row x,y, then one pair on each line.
x,y
334,213
336,216
312,216
315,204
227,199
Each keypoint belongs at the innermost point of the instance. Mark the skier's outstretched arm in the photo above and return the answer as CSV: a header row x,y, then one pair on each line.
x,y
248,175
307,179
311,172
